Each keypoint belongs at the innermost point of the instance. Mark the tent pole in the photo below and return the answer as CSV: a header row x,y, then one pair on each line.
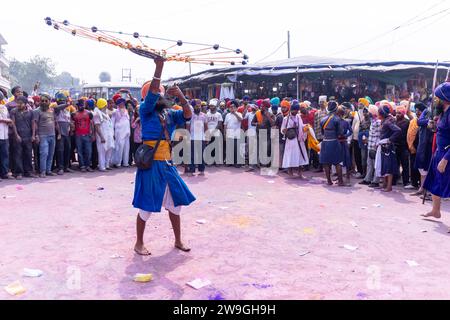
x,y
296,76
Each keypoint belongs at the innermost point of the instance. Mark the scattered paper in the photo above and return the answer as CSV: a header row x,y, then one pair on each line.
x,y
8,197
351,248
223,208
354,224
412,263
15,289
201,221
308,231
142,277
424,231
249,194
271,181
100,189
199,283
378,205
304,253
117,256
364,208
32,273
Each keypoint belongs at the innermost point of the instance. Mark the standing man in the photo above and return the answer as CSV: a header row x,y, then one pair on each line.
x,y
232,126
5,122
122,131
161,185
44,129
401,145
371,178
104,135
63,145
264,121
197,127
83,136
357,120
215,126
22,119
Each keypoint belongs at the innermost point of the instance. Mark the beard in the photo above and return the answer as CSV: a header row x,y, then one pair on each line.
x,y
44,106
161,104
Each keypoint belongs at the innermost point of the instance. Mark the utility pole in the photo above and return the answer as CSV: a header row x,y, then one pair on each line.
x,y
289,44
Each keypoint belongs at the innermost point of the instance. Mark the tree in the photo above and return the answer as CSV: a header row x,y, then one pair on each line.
x,y
104,76
66,80
26,74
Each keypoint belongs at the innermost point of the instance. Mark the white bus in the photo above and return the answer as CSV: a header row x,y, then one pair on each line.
x,y
107,90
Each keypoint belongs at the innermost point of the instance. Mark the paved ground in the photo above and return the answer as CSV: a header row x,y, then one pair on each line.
x,y
252,246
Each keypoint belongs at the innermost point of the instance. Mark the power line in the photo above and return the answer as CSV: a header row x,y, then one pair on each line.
x,y
268,56
404,24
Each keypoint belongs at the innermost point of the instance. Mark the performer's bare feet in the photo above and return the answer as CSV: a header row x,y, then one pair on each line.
x,y
141,250
386,190
432,214
182,247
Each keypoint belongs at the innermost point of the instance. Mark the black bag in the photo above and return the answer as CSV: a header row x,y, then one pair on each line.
x,y
291,133
372,154
145,154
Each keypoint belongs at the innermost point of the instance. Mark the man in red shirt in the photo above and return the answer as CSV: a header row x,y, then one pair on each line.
x,y
83,136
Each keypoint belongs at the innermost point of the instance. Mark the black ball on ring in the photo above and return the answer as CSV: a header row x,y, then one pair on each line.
x,y
74,32
179,43
233,63
211,64
49,22
56,27
238,51
216,47
48,19
245,57
66,23
136,35
244,63
94,29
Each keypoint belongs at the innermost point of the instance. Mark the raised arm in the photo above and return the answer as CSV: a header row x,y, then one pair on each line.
x,y
153,93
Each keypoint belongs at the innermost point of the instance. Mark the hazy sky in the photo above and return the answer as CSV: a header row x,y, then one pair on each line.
x,y
321,28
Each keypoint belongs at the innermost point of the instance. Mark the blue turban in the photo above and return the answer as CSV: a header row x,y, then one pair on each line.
x,y
91,103
443,91
295,105
332,106
275,101
384,111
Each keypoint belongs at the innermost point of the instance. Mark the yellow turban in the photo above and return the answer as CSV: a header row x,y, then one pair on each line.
x,y
364,102
101,103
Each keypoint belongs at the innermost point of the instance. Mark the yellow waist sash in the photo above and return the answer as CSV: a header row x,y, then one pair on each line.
x,y
163,152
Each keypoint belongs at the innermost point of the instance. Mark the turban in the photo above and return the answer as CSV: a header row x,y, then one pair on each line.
x,y
364,102
295,106
384,111
401,109
116,97
36,99
303,105
332,106
287,104
146,87
347,105
443,91
259,103
203,103
118,101
91,103
101,103
214,102
404,103
246,98
275,101
322,99
266,103
308,103
420,106
373,110
60,96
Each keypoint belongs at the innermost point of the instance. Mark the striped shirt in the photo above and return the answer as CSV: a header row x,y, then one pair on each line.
x,y
374,134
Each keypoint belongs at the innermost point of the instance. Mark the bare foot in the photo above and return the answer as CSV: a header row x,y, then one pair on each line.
x,y
182,247
141,250
432,215
386,190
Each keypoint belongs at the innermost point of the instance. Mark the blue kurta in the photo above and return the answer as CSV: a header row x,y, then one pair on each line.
x,y
346,131
331,150
151,184
425,147
439,183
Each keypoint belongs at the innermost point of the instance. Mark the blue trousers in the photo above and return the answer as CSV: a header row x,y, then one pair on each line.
x,y
46,153
84,149
4,157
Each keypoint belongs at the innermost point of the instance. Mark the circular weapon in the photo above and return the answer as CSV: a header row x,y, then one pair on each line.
x,y
178,50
